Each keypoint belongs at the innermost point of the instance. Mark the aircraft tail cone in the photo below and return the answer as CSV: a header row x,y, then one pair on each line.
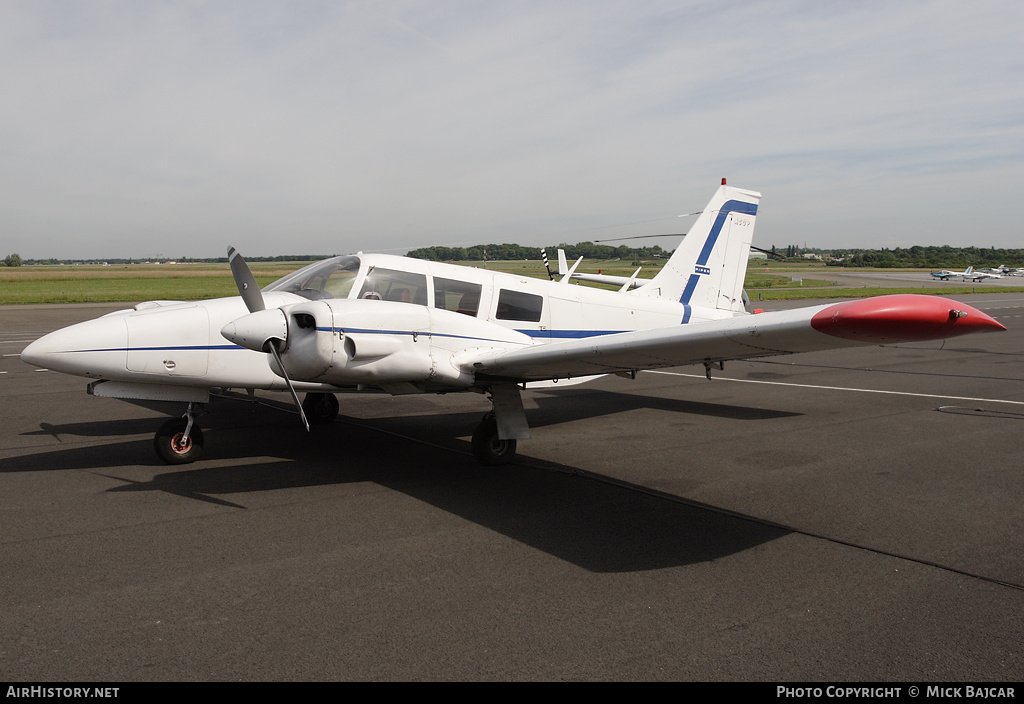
x,y
902,318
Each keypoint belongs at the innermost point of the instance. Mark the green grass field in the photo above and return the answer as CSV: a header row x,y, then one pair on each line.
x,y
128,283
189,282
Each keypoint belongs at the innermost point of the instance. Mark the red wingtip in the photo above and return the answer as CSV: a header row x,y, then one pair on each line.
x,y
902,318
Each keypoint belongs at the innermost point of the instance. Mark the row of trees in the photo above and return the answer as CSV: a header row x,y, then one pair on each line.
x,y
12,260
928,257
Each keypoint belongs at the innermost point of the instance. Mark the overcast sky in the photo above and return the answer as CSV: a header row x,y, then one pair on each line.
x,y
178,128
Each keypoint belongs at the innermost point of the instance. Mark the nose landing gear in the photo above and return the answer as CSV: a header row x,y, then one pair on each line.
x,y
179,440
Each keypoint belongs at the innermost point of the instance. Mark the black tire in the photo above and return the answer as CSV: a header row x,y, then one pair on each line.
x,y
320,408
168,442
488,448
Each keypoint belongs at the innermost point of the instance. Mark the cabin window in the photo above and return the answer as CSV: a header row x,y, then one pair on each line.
x,y
397,286
515,305
457,296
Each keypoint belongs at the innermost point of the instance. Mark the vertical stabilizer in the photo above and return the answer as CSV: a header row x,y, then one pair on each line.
x,y
708,268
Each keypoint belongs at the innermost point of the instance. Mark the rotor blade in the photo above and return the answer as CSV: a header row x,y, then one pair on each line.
x,y
643,237
295,396
246,282
771,253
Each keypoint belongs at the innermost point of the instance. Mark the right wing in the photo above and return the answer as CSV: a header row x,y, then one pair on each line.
x,y
872,321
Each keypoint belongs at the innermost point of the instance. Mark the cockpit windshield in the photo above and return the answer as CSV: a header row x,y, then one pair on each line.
x,y
330,278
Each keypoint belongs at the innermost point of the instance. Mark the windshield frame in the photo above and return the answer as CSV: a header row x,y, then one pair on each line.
x,y
314,281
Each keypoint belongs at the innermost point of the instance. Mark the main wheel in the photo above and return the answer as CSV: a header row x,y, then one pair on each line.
x,y
173,448
488,448
320,408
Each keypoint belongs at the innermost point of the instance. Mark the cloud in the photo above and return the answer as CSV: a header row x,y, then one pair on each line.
x,y
177,128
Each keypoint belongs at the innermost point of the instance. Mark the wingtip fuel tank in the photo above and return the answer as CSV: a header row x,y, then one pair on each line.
x,y
902,318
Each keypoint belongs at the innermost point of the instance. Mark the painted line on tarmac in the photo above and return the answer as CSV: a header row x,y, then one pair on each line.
x,y
841,388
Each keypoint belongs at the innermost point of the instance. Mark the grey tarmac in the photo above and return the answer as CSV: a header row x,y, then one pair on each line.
x,y
847,516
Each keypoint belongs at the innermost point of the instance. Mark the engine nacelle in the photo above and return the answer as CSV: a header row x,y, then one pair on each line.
x,y
397,346
310,349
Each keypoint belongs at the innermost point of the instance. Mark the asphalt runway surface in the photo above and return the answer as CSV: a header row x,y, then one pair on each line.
x,y
836,516
901,279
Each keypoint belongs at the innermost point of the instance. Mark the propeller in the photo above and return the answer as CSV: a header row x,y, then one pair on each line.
x,y
270,327
295,396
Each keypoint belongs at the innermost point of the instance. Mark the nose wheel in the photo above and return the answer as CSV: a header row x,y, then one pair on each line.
x,y
176,443
179,440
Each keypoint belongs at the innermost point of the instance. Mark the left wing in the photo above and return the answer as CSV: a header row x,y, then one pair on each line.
x,y
872,321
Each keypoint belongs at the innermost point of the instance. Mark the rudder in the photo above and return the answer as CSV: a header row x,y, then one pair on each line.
x,y
708,268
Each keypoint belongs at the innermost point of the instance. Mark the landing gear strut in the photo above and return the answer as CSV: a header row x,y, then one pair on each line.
x,y
179,440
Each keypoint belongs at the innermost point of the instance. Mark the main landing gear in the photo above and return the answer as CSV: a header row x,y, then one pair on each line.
x,y
320,408
494,440
488,447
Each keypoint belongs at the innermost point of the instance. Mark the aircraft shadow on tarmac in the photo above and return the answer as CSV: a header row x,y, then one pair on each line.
x,y
597,525
563,406
552,408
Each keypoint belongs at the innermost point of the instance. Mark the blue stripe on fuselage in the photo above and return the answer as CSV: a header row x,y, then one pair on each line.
x,y
560,334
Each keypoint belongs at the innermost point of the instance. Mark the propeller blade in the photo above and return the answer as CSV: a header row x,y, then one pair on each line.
x,y
246,282
295,396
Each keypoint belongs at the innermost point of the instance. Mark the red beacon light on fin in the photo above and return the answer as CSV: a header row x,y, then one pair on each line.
x,y
723,181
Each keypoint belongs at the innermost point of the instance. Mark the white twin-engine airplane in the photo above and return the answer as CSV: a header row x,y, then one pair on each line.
x,y
389,324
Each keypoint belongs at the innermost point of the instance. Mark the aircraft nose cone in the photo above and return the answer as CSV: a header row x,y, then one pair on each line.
x,y
38,352
86,349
